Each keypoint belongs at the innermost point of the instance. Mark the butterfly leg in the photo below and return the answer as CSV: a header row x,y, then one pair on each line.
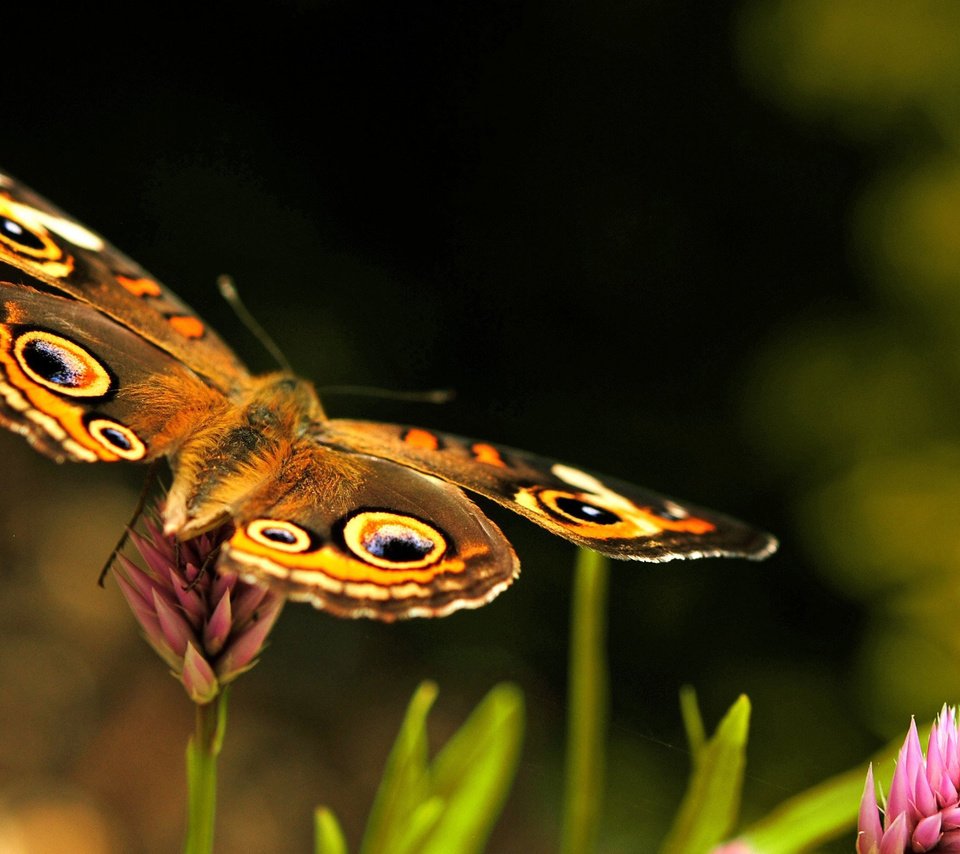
x,y
151,479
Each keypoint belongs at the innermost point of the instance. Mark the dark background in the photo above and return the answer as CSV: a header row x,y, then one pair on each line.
x,y
579,216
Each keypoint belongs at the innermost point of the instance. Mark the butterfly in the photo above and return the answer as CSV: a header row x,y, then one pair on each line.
x,y
99,362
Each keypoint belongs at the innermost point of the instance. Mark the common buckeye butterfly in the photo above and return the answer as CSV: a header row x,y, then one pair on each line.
x,y
100,362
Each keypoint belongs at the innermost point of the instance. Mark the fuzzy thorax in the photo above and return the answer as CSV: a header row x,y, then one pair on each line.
x,y
241,449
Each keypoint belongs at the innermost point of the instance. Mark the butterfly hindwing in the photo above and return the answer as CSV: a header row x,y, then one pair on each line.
x,y
364,537
610,516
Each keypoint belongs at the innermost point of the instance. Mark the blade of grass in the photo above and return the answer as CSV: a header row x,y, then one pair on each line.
x,y
587,701
712,802
473,772
405,777
327,833
692,722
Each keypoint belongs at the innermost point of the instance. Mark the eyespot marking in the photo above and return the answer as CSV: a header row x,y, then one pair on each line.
x,y
116,437
61,365
487,454
572,506
140,287
280,535
187,325
20,237
415,437
22,233
393,541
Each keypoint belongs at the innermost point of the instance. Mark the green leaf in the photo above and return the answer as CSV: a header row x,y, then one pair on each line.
x,y
421,822
452,804
404,783
710,807
327,835
692,722
473,772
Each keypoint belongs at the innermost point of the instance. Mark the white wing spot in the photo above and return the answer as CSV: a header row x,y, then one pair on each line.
x,y
67,229
675,509
610,500
577,478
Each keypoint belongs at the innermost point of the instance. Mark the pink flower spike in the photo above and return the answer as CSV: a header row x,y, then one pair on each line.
x,y
223,582
144,613
951,751
202,623
198,677
240,654
139,580
949,843
937,773
923,812
156,558
927,834
871,832
896,837
246,600
901,795
188,598
218,626
175,628
924,800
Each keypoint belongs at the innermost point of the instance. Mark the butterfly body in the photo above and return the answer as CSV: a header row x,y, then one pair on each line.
x,y
101,363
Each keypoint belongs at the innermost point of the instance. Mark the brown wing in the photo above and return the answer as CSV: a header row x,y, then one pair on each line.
x,y
610,516
43,248
82,387
365,537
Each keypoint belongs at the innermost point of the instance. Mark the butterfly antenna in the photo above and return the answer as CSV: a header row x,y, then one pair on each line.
x,y
152,476
228,290
435,395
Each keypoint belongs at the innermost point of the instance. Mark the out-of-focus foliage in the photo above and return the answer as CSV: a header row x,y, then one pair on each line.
x,y
711,804
451,803
588,700
859,407
861,63
328,835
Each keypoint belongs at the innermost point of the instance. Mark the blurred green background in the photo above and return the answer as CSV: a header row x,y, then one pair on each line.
x,y
712,248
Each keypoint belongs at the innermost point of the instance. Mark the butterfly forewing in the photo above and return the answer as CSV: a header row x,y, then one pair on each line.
x,y
613,517
63,256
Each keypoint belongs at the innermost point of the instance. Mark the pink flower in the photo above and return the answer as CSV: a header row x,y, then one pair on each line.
x,y
923,810
207,625
737,846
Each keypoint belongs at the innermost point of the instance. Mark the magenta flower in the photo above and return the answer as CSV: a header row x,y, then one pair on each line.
x,y
209,626
923,809
736,846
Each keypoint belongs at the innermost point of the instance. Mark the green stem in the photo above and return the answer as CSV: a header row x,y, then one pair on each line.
x,y
587,700
202,753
